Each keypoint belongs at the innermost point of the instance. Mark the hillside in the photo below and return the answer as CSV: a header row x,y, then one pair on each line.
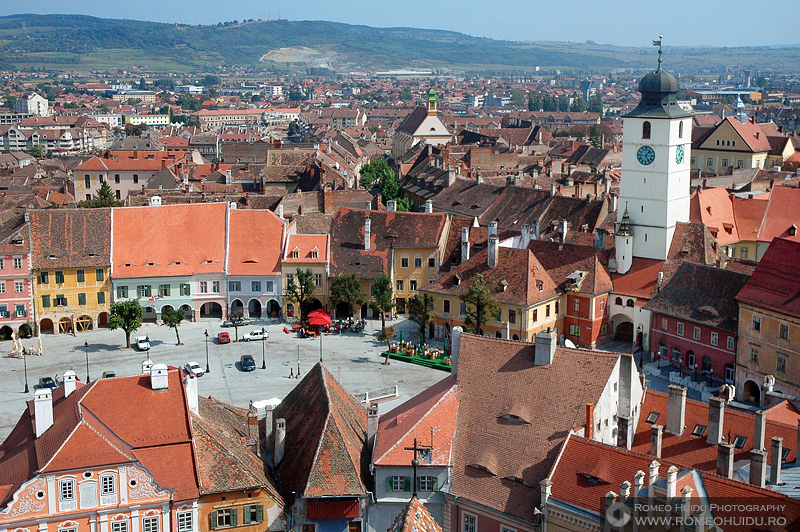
x,y
78,42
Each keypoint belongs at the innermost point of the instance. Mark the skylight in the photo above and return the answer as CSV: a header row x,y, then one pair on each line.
x,y
653,417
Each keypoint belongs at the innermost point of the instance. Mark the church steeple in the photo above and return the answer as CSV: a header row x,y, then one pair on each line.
x,y
433,103
624,228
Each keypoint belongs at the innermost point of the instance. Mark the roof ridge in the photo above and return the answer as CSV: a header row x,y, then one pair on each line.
x,y
324,427
221,445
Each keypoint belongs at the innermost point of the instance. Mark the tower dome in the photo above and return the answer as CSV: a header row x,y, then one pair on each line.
x,y
659,91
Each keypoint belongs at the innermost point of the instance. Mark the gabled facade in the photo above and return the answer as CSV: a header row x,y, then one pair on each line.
x,y
307,252
16,306
733,143
422,125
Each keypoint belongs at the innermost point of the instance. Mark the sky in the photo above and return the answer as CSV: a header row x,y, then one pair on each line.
x,y
621,22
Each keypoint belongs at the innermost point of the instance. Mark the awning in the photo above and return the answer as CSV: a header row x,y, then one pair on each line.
x,y
347,509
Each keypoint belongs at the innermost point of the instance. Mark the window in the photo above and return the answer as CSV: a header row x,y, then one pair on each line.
x,y
45,301
150,523
60,300
2,264
309,527
646,128
215,287
431,262
119,526
101,298
2,287
295,254
82,299
412,284
652,417
427,483
135,178
676,353
629,303
499,315
470,523
44,278
354,526
253,513
144,290
575,330
739,441
398,483
87,181
756,323
556,311
185,521
547,311
122,292
690,359
781,365
81,275
107,485
709,161
680,329
255,286
602,305
618,301
17,263
576,305
418,262
19,286
317,280
694,160
664,324
743,253
163,290
696,334
234,286
404,262
185,289
289,279
784,331
699,430
754,354
729,373
66,489
714,338
20,311
315,254
462,309
59,277
680,130
731,343
604,328
535,315
99,275
224,517
116,178
512,316
724,163
269,287
203,287
446,306
740,163
399,285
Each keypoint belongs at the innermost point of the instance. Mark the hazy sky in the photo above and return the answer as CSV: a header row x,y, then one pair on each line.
x,y
622,22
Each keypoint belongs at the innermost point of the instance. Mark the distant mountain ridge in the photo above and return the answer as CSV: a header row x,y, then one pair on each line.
x,y
80,42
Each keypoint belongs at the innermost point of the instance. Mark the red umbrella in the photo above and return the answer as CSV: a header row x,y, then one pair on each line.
x,y
319,317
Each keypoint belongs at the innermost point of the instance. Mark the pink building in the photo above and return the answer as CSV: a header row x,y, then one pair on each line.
x,y
15,276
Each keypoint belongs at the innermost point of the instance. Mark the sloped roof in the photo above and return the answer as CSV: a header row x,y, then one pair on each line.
x,y
67,238
412,122
305,245
714,208
466,197
774,284
561,260
255,238
414,517
781,215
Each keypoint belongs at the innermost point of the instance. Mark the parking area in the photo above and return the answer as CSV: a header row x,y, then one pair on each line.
x,y
351,357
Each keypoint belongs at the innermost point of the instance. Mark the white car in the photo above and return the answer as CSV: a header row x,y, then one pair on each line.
x,y
194,368
143,343
255,335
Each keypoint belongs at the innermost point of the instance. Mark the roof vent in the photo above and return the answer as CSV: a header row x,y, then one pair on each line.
x,y
159,378
155,201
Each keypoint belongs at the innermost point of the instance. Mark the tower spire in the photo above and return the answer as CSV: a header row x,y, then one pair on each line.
x,y
658,43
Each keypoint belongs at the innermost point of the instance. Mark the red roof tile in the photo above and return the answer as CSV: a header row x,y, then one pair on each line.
x,y
774,284
415,518
254,242
305,245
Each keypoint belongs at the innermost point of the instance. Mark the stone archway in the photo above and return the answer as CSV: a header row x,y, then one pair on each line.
x,y
254,308
188,313
65,326
211,309
236,306
624,331
84,323
751,393
150,315
46,326
273,308
6,332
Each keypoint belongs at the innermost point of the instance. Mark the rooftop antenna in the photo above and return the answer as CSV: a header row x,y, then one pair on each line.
x,y
658,43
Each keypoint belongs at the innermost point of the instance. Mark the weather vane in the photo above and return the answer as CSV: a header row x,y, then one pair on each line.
x,y
658,43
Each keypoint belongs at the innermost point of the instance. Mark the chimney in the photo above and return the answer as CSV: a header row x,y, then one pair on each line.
x,y
147,365
600,238
526,235
612,204
451,176
589,426
159,378
535,230
758,467
492,256
660,278
228,177
716,414
280,210
368,205
676,409
372,422
391,206
464,244
725,460
653,478
190,381
656,434
623,432
70,382
43,409
638,483
626,371
760,430
429,206
367,233
553,190
492,228
455,347
265,425
478,177
610,500
672,481
546,488
545,348
777,459
280,440
624,491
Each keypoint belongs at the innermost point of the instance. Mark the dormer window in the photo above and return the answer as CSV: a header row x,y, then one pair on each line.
x,y
539,285
793,230
457,279
315,254
295,255
739,441
652,417
513,419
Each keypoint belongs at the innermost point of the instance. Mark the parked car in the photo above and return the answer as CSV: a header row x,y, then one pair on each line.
x,y
247,362
224,338
259,334
194,368
143,343
238,322
46,382
109,374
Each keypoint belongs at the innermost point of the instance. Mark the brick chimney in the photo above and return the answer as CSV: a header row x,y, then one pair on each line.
x,y
589,425
725,460
676,409
43,410
624,433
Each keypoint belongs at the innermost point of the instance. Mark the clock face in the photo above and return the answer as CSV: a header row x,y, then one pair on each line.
x,y
679,155
646,155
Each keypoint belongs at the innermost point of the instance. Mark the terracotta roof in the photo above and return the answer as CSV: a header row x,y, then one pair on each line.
x,y
694,451
14,235
714,208
781,218
496,376
430,416
326,452
749,214
169,240
305,245
67,238
640,280
412,122
562,260
774,284
255,238
415,518
751,133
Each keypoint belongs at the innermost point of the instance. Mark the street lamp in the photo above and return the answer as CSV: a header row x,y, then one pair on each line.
x,y
86,351
208,369
25,364
147,339
263,341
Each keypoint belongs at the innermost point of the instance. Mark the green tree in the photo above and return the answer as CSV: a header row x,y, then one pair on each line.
x,y
595,138
578,105
386,335
517,98
172,318
374,172
549,103
382,297
104,198
481,303
420,311
300,289
39,151
142,84
563,103
346,288
126,315
595,104
534,102
135,130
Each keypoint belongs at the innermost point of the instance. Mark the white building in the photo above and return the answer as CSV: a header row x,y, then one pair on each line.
x,y
422,125
32,104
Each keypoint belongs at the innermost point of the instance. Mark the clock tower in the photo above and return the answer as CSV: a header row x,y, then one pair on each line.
x,y
655,182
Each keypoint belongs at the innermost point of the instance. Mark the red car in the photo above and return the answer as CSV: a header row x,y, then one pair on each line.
x,y
224,338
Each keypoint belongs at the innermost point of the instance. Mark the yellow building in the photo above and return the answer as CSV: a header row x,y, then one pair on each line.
x,y
306,252
71,268
731,144
412,269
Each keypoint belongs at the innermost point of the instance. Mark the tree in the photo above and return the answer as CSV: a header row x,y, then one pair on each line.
x,y
595,138
517,98
135,131
300,289
374,172
346,288
386,335
579,105
563,103
595,103
481,304
534,102
126,315
172,318
382,297
104,198
39,151
549,103
420,311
